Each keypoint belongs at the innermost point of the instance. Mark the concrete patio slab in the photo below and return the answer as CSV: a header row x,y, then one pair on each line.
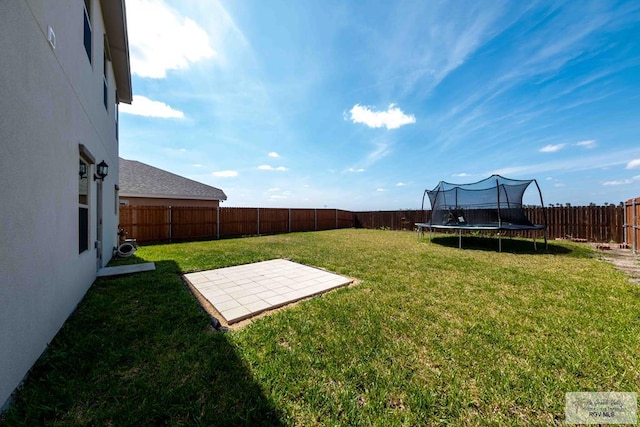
x,y
126,269
244,291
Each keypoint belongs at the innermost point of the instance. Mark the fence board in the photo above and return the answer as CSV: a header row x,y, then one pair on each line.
x,y
274,221
632,223
191,223
145,223
238,222
303,220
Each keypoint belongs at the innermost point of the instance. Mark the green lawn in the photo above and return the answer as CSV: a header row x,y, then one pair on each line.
x,y
432,335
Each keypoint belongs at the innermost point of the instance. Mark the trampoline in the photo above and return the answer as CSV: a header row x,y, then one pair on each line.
x,y
492,204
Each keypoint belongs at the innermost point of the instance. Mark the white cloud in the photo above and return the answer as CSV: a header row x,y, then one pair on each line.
x,y
143,106
380,189
633,164
400,184
359,170
559,185
622,181
197,165
273,189
591,143
552,148
271,168
160,39
274,155
460,175
393,118
225,174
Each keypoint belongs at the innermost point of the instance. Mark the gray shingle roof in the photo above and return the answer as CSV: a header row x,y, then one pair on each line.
x,y
141,180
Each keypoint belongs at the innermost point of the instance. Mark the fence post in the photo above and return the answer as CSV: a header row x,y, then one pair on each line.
x,y
289,220
315,219
170,225
218,222
258,225
634,227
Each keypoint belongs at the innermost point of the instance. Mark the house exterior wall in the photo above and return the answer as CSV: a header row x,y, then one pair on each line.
x,y
51,101
150,201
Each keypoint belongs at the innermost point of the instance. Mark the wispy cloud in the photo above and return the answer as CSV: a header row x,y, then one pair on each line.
x,y
392,118
576,164
271,168
353,170
627,181
552,148
461,175
274,155
591,143
143,106
400,184
633,164
225,174
160,39
427,45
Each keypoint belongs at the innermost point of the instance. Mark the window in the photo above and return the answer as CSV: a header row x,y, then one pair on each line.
x,y
87,29
83,206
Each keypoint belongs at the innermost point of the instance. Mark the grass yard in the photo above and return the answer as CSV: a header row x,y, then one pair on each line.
x,y
432,335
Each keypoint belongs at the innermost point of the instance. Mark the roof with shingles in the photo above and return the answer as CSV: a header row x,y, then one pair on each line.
x,y
141,180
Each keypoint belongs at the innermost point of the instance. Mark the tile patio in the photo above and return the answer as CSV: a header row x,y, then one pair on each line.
x,y
244,291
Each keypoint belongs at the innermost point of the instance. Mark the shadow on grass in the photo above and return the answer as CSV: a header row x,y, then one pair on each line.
x,y
514,246
138,350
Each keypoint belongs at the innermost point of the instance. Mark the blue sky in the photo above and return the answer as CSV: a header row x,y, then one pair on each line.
x,y
362,105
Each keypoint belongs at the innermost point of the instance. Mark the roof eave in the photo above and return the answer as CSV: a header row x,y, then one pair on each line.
x,y
115,21
171,196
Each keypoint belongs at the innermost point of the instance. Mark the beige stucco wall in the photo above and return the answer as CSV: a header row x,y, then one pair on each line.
x,y
149,201
50,102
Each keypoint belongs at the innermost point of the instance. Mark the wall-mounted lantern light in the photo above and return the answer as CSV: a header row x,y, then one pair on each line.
x,y
83,169
102,170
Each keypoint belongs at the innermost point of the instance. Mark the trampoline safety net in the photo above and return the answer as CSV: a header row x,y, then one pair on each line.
x,y
494,202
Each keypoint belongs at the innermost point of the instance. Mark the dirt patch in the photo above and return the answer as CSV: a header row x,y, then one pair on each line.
x,y
622,258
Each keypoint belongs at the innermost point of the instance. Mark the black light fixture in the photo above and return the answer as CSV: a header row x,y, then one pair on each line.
x,y
83,169
102,170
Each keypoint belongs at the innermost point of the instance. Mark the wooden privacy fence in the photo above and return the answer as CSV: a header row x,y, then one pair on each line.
x,y
593,223
632,223
167,223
